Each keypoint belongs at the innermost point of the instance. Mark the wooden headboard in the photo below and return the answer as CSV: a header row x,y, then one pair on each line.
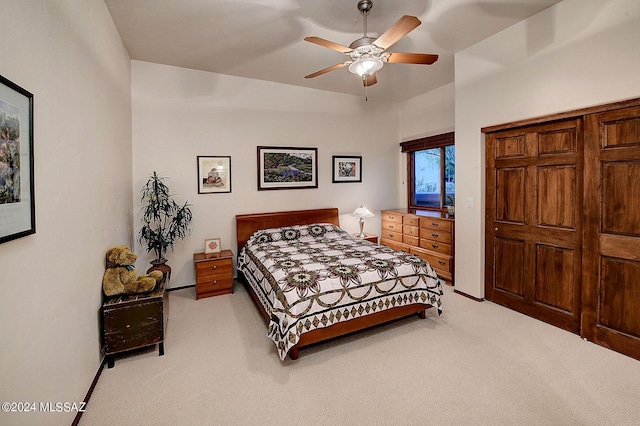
x,y
247,224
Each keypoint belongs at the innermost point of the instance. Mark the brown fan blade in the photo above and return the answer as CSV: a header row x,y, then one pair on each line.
x,y
412,58
326,43
324,71
398,30
370,81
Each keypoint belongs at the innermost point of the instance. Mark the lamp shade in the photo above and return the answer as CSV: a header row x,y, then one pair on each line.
x,y
362,212
366,65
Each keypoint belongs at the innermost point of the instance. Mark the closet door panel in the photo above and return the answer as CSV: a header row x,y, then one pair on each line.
x,y
533,223
611,272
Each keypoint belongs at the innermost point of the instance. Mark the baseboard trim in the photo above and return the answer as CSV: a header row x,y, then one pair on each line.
x,y
180,288
76,420
467,295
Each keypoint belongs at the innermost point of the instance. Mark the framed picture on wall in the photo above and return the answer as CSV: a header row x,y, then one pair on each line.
x,y
347,169
214,174
287,168
17,194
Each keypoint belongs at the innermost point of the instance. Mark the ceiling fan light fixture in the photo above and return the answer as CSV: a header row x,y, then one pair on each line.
x,y
366,65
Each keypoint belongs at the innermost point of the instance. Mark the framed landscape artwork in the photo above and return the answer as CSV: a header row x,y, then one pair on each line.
x,y
17,195
347,169
287,168
214,174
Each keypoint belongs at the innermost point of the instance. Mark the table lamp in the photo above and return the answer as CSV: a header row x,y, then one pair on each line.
x,y
361,212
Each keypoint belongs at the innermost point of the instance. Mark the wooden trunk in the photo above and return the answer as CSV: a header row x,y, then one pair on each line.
x,y
133,321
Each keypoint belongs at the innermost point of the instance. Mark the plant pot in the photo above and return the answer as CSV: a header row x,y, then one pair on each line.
x,y
161,265
451,210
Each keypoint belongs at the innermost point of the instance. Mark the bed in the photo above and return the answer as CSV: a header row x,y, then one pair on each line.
x,y
312,281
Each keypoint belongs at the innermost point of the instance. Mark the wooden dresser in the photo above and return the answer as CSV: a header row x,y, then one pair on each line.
x,y
427,234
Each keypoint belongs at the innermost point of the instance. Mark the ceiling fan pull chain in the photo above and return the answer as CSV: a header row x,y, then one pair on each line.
x,y
366,89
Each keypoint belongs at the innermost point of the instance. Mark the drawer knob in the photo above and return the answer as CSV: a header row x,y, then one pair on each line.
x,y
215,281
441,262
215,267
434,235
435,246
435,225
391,235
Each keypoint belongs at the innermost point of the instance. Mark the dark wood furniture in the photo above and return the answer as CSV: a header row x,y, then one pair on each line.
x,y
247,224
214,273
563,221
133,321
428,234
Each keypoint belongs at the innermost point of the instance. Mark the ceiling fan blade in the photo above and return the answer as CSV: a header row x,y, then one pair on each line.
x,y
370,81
412,58
326,43
401,28
324,71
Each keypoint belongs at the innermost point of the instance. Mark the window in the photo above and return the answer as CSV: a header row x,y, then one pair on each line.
x,y
431,172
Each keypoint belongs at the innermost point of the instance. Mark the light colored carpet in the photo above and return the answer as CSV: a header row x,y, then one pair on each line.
x,y
477,364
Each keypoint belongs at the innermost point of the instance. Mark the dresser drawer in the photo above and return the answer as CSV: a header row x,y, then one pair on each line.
x,y
391,217
392,226
390,235
435,235
411,220
435,223
412,241
436,261
414,231
435,246
395,245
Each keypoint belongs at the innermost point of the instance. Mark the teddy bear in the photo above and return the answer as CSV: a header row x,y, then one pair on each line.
x,y
120,277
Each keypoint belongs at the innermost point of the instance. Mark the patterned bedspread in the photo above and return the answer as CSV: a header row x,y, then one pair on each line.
x,y
314,276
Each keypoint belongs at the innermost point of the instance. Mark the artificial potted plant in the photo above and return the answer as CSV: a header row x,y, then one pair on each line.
x,y
163,222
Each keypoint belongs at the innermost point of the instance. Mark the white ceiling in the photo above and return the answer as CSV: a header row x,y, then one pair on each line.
x,y
263,39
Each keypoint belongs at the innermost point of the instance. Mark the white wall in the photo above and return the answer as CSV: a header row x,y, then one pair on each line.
x,y
179,114
573,55
69,55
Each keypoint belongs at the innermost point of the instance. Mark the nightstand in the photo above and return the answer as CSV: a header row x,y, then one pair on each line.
x,y
369,237
214,273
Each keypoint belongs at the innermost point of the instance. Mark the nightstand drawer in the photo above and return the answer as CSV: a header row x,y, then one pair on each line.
x,y
215,287
213,269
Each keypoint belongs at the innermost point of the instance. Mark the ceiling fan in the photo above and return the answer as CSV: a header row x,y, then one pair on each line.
x,y
366,55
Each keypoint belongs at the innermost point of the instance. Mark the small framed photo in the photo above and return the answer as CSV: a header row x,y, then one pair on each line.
x,y
287,168
347,169
212,246
214,174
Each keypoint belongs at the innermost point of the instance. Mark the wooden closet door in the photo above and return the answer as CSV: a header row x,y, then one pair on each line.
x,y
533,221
611,274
